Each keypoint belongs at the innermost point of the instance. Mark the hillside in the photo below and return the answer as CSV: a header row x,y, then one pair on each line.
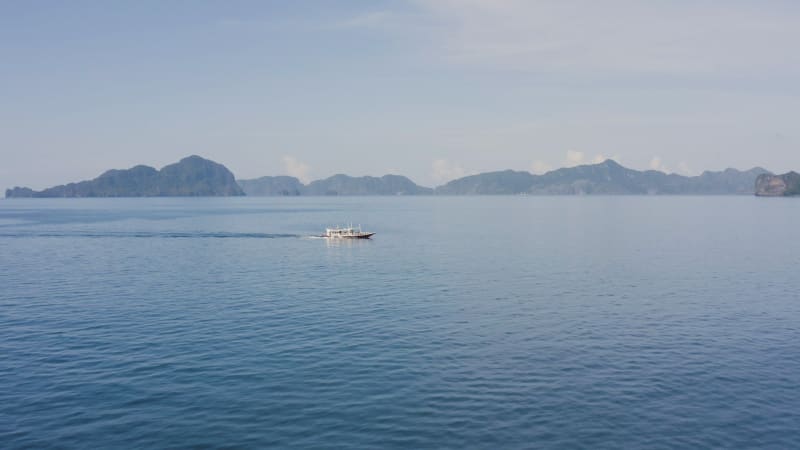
x,y
335,185
191,176
608,177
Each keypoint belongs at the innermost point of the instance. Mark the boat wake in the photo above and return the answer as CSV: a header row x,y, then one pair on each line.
x,y
147,234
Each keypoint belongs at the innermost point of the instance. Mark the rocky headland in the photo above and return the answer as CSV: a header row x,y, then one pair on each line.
x,y
785,185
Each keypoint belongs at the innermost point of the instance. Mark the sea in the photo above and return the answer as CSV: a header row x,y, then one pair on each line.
x,y
502,322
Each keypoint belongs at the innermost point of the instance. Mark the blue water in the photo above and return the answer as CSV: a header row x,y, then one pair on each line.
x,y
477,322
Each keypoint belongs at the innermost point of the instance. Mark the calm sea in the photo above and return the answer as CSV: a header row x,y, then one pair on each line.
x,y
467,322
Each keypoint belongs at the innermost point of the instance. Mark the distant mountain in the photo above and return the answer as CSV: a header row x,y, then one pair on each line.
x,y
191,176
195,176
607,177
20,192
778,185
335,185
347,185
267,186
490,183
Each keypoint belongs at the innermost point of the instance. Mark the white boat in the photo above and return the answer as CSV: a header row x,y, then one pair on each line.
x,y
350,232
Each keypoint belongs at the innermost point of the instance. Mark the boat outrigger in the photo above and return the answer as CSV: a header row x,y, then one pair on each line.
x,y
350,232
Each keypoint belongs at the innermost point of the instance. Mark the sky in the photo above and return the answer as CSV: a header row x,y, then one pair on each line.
x,y
430,89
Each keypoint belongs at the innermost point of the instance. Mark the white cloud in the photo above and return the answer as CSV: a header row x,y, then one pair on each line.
x,y
657,164
614,35
444,171
574,158
297,169
684,169
540,167
371,19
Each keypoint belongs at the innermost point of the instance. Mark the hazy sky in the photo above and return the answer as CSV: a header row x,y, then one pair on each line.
x,y
432,89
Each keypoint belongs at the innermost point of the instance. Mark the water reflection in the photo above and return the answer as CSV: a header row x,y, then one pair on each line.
x,y
338,242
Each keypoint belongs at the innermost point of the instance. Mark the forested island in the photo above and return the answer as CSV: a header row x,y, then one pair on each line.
x,y
197,176
607,177
192,176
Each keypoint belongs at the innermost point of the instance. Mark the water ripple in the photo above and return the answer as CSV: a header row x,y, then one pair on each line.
x,y
458,328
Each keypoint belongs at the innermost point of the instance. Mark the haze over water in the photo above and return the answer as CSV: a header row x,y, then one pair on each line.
x,y
467,322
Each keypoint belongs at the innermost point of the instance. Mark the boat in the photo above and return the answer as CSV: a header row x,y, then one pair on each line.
x,y
350,232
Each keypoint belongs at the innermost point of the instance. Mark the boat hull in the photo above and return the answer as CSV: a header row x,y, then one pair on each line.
x,y
353,236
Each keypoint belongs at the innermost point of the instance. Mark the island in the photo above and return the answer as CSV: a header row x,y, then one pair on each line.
x,y
605,178
768,185
196,176
335,185
192,176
